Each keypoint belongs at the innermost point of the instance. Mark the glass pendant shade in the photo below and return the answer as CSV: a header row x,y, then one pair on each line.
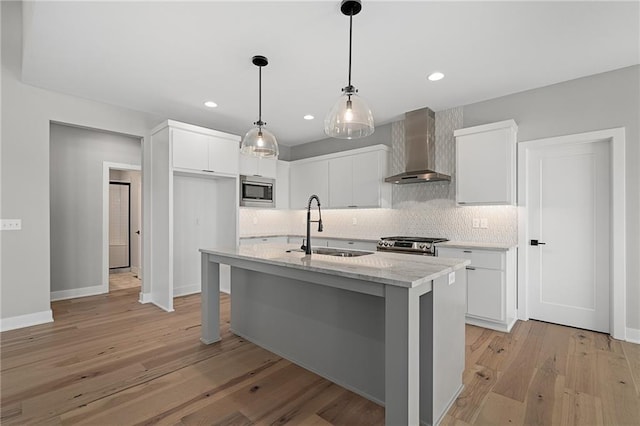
x,y
350,118
259,142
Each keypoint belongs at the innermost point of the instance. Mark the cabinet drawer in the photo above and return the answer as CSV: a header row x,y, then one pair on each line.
x,y
479,258
487,259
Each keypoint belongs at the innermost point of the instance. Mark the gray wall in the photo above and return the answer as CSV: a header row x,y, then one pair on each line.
x,y
596,102
382,135
26,115
76,159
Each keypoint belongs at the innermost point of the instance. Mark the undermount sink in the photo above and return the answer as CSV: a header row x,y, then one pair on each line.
x,y
328,251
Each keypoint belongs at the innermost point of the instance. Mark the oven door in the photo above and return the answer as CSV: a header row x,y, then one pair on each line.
x,y
257,192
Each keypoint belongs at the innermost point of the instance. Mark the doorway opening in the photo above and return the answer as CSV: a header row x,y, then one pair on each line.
x,y
79,163
124,229
122,226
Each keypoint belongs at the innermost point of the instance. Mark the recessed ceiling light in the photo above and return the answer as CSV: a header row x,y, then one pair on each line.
x,y
210,104
308,117
435,76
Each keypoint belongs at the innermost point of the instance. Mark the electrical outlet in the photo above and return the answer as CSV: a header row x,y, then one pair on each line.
x,y
11,224
452,277
484,223
354,221
476,222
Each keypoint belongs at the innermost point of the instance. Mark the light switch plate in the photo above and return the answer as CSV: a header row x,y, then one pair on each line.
x,y
476,222
452,277
484,223
11,224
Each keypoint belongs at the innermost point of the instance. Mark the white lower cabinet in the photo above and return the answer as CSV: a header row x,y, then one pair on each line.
x,y
491,286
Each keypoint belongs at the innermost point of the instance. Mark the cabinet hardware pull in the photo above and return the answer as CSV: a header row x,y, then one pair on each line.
x,y
470,268
467,251
350,242
352,207
208,171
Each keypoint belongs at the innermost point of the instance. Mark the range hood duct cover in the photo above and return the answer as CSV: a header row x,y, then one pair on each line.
x,y
419,149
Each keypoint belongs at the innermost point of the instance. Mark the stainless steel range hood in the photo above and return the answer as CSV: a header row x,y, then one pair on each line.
x,y
419,149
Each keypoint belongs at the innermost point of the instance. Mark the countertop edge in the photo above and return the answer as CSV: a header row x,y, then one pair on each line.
x,y
361,275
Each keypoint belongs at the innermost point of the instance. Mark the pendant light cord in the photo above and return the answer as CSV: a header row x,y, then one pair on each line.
x,y
259,96
350,36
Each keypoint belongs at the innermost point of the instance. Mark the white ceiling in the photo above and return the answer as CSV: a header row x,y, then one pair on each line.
x,y
167,58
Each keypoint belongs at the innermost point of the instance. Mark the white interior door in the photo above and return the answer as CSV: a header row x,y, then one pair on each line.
x,y
568,196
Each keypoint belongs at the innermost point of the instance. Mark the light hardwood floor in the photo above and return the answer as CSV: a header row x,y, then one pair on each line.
x,y
108,360
122,280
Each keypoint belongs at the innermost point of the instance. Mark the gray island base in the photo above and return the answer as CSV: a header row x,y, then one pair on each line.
x,y
387,326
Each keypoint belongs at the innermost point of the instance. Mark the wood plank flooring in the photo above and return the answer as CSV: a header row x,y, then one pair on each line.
x,y
122,280
108,360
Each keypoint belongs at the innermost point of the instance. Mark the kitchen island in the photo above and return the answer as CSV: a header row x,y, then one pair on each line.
x,y
387,326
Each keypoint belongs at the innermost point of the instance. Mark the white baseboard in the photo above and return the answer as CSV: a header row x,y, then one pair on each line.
x,y
21,321
186,290
145,297
633,335
78,292
135,270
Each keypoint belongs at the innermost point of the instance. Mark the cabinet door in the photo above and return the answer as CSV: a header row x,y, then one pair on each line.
x,y
282,185
485,167
267,167
367,179
341,182
223,155
306,179
248,165
190,150
485,293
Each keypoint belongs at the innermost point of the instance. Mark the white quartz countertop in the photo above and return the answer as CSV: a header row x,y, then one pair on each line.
x,y
387,268
480,246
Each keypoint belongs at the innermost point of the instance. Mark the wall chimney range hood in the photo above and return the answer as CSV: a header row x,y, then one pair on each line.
x,y
419,149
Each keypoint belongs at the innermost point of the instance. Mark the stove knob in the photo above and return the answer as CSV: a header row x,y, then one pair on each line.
x,y
380,243
387,243
422,246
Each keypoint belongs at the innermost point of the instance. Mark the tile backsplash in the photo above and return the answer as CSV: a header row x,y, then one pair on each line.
x,y
423,209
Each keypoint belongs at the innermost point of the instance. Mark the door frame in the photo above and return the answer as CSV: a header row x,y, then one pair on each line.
x,y
106,166
618,283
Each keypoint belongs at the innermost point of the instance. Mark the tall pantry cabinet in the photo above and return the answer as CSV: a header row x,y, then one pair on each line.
x,y
194,204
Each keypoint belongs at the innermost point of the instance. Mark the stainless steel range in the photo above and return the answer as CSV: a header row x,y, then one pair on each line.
x,y
410,245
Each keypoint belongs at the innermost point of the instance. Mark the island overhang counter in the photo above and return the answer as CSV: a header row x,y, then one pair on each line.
x,y
387,326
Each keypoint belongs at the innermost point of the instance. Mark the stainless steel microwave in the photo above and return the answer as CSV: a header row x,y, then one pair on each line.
x,y
257,192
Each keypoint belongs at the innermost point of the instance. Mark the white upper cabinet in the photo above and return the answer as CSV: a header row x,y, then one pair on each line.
x,y
282,184
308,178
357,180
348,179
486,163
190,150
201,150
256,166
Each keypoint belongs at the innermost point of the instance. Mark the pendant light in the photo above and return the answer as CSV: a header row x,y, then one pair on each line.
x,y
259,141
350,117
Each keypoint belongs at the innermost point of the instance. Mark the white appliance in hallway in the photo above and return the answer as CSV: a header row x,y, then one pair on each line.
x,y
568,244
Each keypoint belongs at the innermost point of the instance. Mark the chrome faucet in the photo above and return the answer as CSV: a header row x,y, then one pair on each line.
x,y
307,247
